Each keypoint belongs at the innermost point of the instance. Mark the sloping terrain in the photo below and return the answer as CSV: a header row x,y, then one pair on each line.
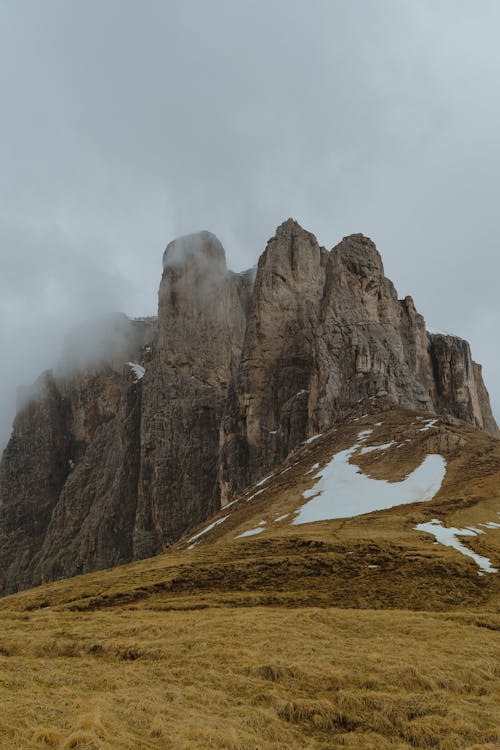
x,y
255,550
358,632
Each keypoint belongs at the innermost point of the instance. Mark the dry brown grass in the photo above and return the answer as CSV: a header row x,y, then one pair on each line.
x,y
243,678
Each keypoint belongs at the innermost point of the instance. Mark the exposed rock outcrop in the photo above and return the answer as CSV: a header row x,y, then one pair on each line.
x,y
69,474
202,320
326,330
149,426
459,385
267,412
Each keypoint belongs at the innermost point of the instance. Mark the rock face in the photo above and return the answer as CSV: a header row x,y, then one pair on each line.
x,y
325,331
267,410
69,474
149,426
201,322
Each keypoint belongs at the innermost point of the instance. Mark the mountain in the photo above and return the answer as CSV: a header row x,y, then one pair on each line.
x,y
148,427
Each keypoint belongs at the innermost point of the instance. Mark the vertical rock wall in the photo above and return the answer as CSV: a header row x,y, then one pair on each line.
x,y
108,462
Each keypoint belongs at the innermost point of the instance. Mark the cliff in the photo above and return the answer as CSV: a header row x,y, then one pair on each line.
x,y
147,427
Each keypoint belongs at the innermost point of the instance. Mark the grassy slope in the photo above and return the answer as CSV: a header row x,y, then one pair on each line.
x,y
282,640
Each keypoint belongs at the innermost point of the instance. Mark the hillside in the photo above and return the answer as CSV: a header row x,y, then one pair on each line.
x,y
356,632
376,559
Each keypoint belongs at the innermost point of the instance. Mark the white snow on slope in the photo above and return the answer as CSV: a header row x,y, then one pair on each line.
x,y
263,481
228,505
448,537
205,531
251,532
342,491
138,370
428,425
371,448
312,439
361,438
259,492
313,468
281,518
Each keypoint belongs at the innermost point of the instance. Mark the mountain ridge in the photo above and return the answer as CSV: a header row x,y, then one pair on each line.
x,y
105,466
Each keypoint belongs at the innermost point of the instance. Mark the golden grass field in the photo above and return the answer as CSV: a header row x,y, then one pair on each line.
x,y
247,678
284,641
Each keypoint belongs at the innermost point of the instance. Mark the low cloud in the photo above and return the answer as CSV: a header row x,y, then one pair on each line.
x,y
125,125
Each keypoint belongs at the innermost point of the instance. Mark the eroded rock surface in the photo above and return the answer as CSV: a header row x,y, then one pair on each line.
x,y
201,321
149,426
327,330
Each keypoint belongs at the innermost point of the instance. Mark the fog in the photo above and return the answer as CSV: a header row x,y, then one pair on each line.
x,y
125,124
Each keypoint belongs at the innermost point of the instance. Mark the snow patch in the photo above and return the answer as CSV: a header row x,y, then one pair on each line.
x,y
138,370
313,468
259,492
313,438
371,448
228,505
263,481
205,531
362,437
429,425
251,532
448,537
281,518
342,491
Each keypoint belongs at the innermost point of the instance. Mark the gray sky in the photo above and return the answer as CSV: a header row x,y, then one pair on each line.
x,y
124,124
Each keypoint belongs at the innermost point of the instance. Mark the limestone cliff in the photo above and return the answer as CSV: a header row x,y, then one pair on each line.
x,y
148,426
68,477
201,320
326,330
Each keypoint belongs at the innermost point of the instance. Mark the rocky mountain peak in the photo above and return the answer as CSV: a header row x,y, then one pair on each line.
x,y
201,310
358,255
116,459
292,259
291,228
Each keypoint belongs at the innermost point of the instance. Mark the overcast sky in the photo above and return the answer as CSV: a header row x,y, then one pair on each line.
x,y
124,124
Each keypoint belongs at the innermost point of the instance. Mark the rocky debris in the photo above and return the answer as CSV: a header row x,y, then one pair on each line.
x,y
104,466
